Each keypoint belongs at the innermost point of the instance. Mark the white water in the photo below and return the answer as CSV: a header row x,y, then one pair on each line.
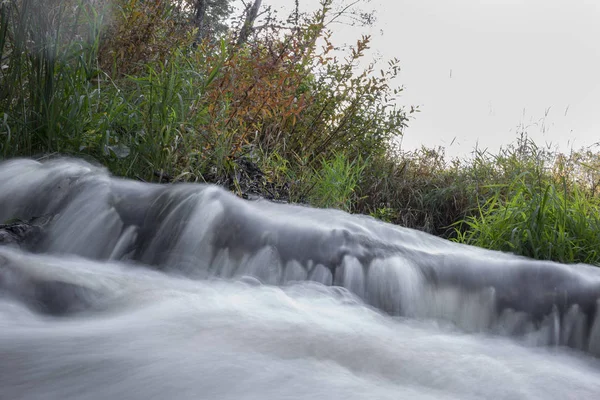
x,y
420,318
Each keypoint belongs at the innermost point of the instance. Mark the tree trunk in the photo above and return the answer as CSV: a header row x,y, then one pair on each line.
x,y
200,18
251,15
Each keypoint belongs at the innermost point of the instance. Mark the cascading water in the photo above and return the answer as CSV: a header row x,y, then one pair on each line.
x,y
283,301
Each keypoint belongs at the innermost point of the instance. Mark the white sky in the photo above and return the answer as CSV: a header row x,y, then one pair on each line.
x,y
480,68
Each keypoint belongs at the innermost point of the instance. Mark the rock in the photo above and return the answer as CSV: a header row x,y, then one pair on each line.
x,y
254,184
47,296
17,232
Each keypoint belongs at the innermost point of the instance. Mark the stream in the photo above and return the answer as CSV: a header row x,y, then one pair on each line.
x,y
133,290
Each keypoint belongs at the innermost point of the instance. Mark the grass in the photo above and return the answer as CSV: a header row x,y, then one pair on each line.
x,y
131,92
336,181
546,222
537,203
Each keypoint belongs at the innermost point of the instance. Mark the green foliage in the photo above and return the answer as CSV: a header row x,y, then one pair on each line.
x,y
350,112
535,203
385,214
538,221
49,100
423,189
167,106
132,92
335,182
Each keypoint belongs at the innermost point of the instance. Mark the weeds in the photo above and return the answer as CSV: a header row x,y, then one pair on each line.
x,y
334,184
543,222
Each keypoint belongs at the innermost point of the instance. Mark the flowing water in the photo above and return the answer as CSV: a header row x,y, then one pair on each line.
x,y
139,291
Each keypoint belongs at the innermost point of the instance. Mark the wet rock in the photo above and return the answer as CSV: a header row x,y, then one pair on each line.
x,y
251,183
60,298
246,180
46,296
18,233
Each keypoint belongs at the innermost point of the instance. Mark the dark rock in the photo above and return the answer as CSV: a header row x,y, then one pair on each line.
x,y
60,298
18,233
254,183
47,296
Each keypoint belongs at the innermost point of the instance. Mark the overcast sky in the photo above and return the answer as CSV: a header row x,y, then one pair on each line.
x,y
480,68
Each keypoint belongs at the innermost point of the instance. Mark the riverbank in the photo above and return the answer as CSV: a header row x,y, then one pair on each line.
x,y
278,117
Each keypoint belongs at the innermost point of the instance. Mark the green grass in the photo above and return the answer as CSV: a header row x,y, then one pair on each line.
x,y
546,222
335,183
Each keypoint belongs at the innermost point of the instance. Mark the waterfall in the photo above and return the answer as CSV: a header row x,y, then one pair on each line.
x,y
168,281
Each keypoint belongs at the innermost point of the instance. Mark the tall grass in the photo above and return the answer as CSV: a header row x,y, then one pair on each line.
x,y
167,113
419,189
48,96
335,183
55,98
546,222
536,203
